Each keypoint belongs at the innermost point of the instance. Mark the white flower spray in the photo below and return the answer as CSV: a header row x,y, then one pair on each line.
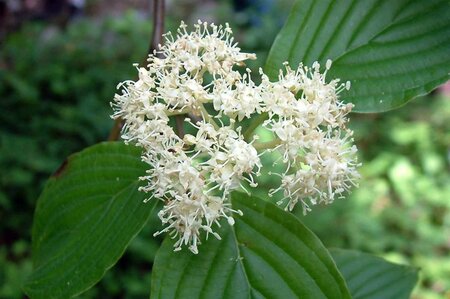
x,y
194,174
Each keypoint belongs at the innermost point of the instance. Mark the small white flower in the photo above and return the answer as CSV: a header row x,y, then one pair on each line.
x,y
239,98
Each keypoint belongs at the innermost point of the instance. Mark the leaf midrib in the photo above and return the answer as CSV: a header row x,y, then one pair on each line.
x,y
236,243
73,248
241,263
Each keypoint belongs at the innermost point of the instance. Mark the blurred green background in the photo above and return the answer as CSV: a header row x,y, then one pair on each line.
x,y
58,73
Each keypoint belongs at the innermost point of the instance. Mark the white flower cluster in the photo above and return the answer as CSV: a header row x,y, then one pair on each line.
x,y
308,121
193,74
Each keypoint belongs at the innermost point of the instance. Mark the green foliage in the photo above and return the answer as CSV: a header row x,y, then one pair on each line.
x,y
267,254
55,86
391,51
371,277
60,105
85,218
14,269
58,85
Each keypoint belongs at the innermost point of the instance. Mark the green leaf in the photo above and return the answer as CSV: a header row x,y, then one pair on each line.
x,y
85,218
371,277
391,51
268,253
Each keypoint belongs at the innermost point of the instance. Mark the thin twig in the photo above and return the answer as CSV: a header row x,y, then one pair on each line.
x,y
267,145
179,123
248,134
158,30
158,24
114,134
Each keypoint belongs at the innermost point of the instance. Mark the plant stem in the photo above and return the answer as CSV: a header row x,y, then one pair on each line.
x,y
158,30
208,118
177,112
158,24
179,124
266,145
253,125
114,134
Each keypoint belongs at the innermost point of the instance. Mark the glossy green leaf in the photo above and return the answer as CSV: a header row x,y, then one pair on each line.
x,y
268,253
391,51
86,216
371,277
